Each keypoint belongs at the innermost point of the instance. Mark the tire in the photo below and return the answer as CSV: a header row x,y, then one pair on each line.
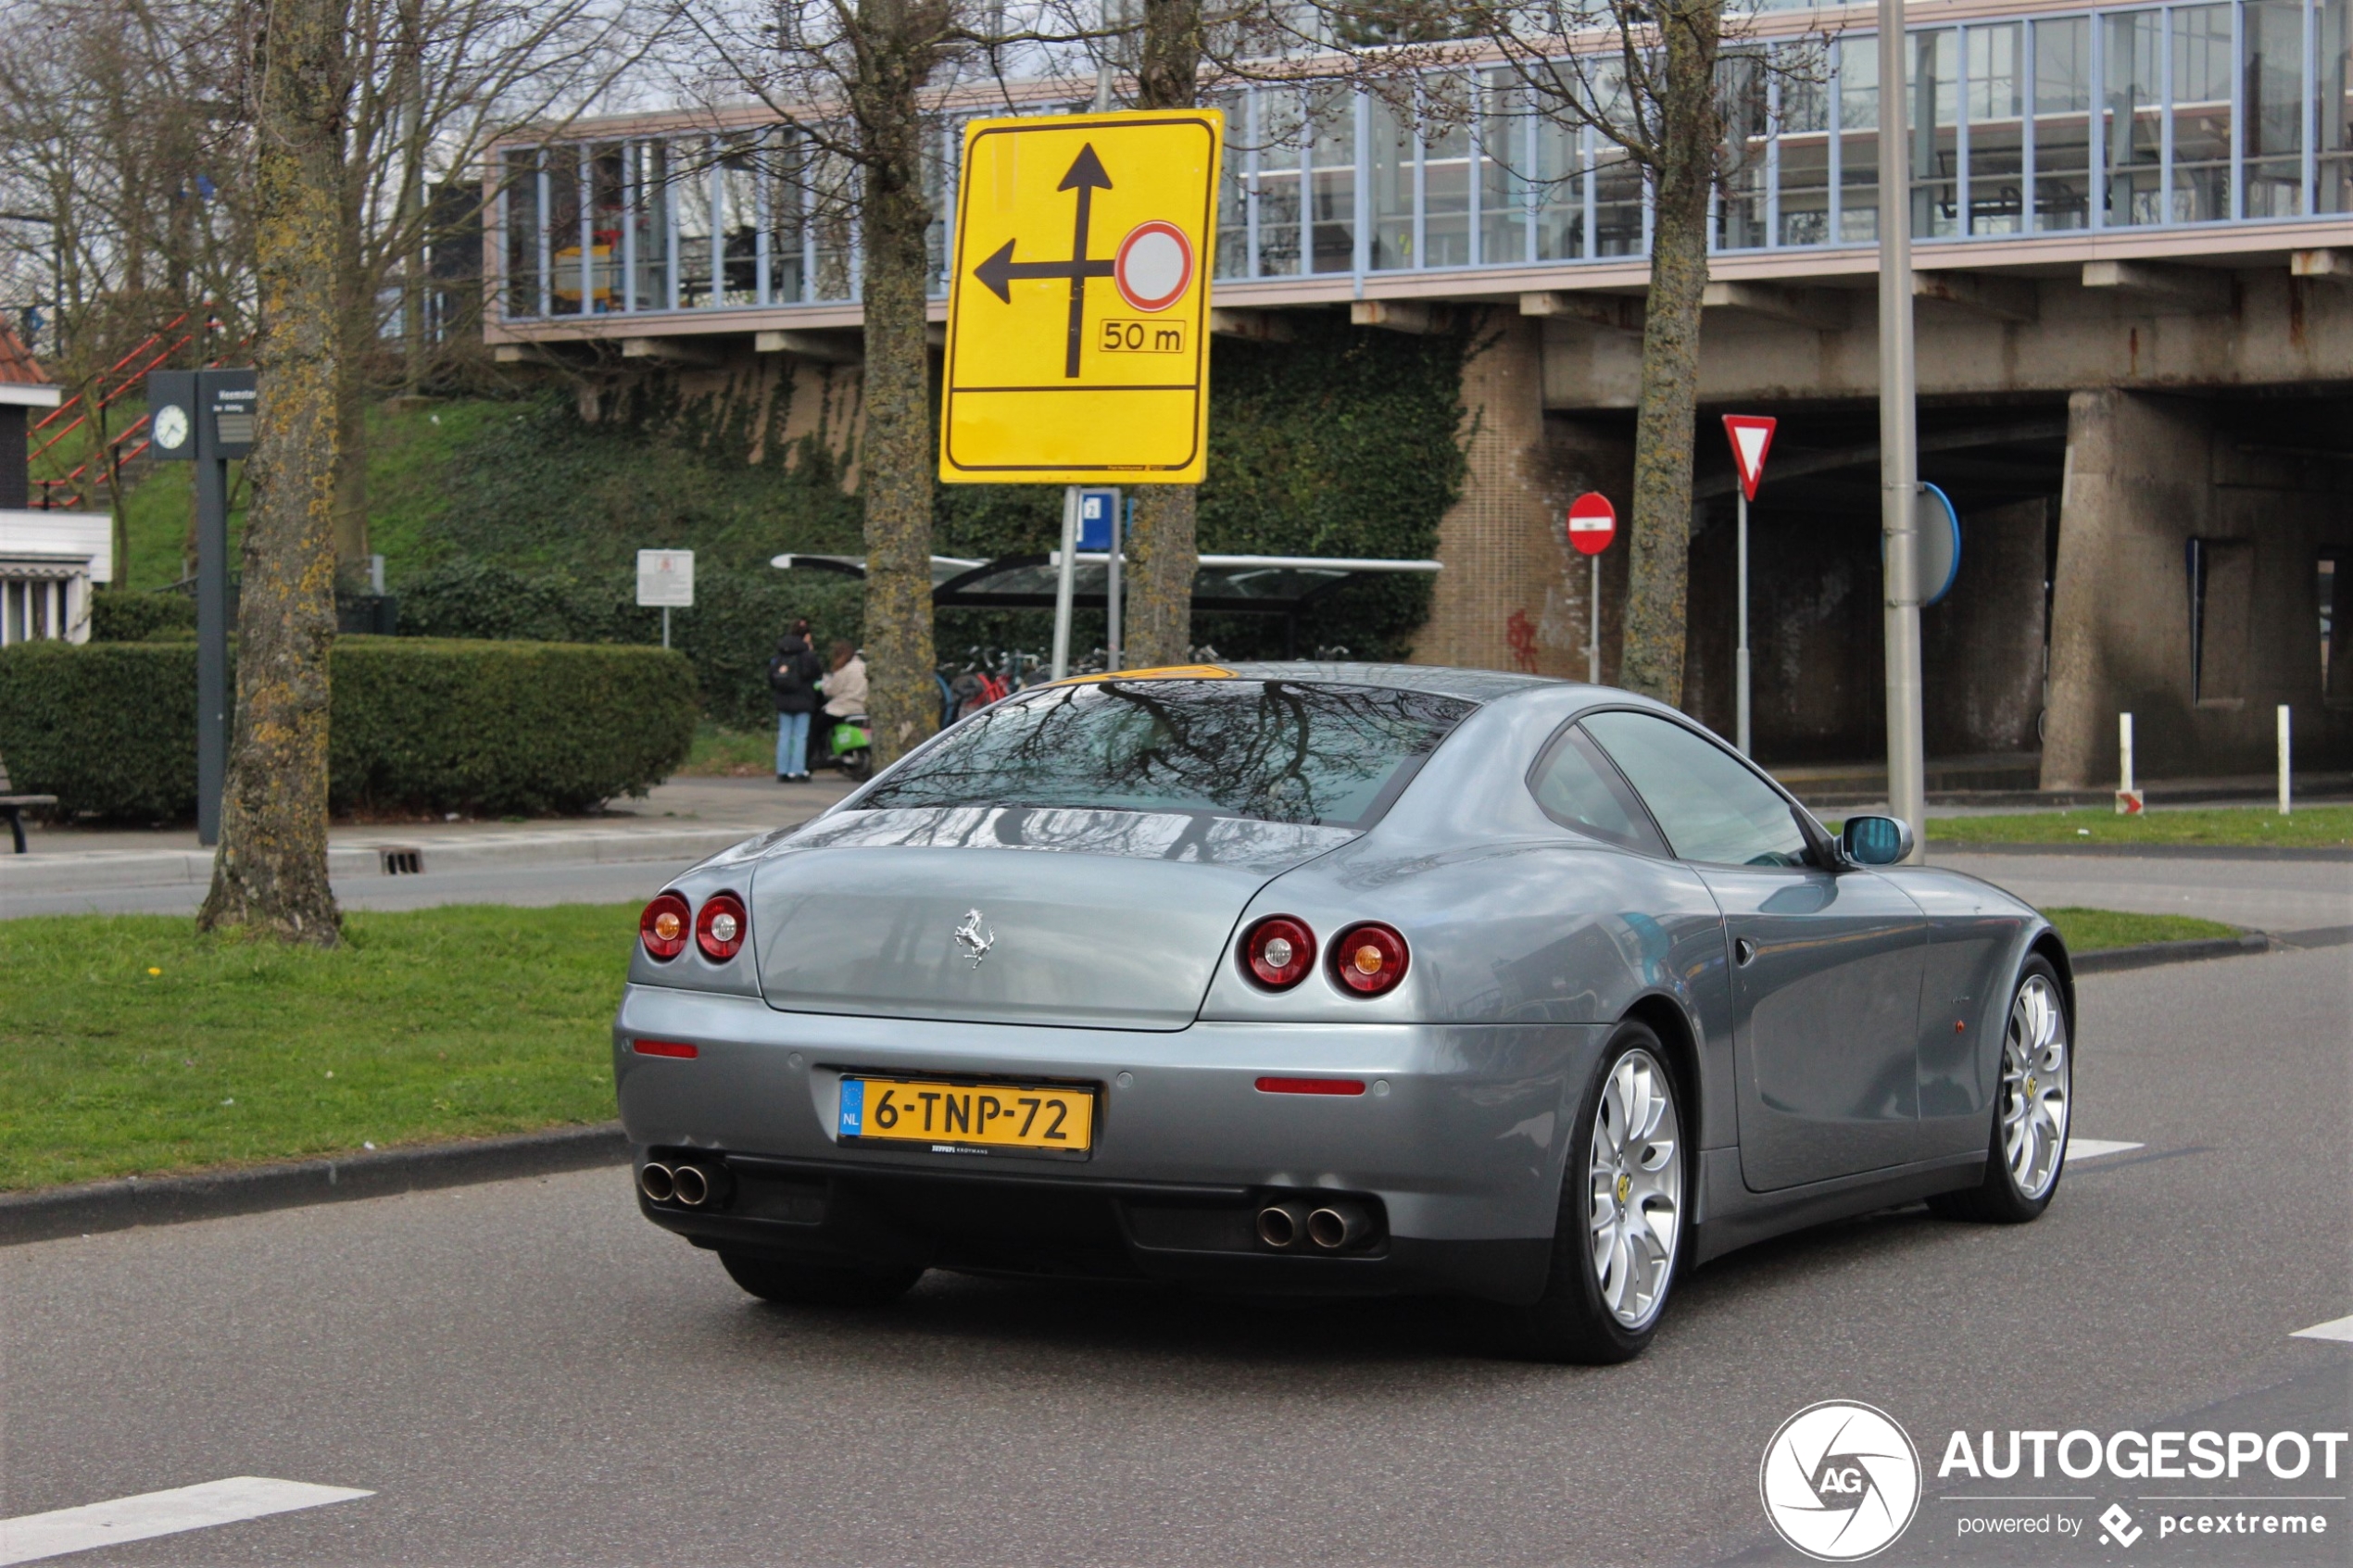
x,y
817,1285
857,766
2034,1105
1599,1311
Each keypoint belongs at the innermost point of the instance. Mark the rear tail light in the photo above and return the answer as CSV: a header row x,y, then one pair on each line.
x,y
1370,958
680,1050
662,927
719,929
1278,952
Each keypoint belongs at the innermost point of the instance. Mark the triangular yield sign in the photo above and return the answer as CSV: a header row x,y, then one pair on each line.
x,y
1752,437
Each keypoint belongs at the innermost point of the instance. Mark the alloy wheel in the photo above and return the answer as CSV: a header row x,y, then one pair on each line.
x,y
1634,1216
2035,1071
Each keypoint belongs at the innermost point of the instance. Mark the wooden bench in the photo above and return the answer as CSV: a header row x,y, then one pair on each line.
x,y
14,805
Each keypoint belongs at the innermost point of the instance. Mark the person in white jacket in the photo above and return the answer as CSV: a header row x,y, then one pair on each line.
x,y
845,684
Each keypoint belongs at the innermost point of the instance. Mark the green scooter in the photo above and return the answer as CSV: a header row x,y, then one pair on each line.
x,y
849,747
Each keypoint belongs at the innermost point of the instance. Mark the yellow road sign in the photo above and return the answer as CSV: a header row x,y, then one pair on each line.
x,y
1078,299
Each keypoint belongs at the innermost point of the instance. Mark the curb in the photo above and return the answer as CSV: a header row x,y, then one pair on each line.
x,y
168,1200
73,871
2148,954
2060,850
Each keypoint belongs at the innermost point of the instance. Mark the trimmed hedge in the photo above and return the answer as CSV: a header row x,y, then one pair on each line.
x,y
489,728
121,616
727,636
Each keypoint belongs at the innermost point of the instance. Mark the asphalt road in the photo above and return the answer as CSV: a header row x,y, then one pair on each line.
x,y
527,1372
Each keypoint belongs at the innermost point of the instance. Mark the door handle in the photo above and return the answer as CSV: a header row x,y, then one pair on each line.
x,y
1743,951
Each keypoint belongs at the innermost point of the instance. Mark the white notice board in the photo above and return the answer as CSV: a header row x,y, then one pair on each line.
x,y
666,579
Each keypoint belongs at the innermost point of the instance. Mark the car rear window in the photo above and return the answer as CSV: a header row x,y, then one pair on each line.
x,y
1278,751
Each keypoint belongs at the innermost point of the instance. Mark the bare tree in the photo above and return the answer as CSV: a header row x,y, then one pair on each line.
x,y
1655,96
862,87
1170,47
271,872
434,84
1647,76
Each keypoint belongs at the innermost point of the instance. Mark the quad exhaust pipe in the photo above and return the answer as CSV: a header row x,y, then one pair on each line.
x,y
1281,1224
688,1187
1338,1225
1333,1226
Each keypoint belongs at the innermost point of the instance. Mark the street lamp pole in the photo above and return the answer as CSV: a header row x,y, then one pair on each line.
x,y
1899,439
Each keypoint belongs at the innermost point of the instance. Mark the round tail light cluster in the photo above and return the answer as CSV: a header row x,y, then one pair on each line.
x,y
1279,952
1370,958
719,929
662,926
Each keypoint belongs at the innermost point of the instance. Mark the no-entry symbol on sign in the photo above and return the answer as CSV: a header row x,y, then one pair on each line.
x,y
1592,523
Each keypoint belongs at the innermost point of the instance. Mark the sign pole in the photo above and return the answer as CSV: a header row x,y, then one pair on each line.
x,y
1899,443
665,626
212,636
1063,584
1592,523
206,418
1739,654
1593,630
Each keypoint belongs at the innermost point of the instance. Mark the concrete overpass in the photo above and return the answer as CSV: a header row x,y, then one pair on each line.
x,y
2134,293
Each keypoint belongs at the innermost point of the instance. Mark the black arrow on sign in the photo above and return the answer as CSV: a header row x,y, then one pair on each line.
x,y
996,273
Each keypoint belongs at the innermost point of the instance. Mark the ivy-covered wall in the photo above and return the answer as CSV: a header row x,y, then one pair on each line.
x,y
1343,442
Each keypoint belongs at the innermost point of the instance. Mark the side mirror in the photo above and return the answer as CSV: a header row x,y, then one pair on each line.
x,y
1875,841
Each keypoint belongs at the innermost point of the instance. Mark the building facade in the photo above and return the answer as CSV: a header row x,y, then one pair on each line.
x,y
2133,287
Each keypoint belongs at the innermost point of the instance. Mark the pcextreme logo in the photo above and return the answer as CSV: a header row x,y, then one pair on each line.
x,y
1840,1481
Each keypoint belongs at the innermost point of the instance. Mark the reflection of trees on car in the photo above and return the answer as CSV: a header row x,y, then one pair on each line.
x,y
1273,749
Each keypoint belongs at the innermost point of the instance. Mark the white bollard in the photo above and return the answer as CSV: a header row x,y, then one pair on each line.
x,y
2286,805
2128,800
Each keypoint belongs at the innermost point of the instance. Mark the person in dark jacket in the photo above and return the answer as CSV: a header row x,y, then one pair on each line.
x,y
792,676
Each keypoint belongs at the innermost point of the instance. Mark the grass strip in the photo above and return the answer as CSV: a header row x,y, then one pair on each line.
x,y
730,754
130,1044
2312,827
2090,930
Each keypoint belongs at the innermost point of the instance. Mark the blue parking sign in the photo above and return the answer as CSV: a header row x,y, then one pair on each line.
x,y
1096,509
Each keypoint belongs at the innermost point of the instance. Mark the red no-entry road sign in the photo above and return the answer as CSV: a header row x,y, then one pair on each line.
x,y
1592,523
1752,437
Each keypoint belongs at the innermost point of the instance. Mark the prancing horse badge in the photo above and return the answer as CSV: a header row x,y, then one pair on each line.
x,y
973,939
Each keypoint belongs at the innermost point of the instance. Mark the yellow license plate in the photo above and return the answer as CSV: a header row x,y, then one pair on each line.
x,y
956,1116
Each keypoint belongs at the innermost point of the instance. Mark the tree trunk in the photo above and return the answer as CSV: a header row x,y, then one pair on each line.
x,y
1158,624
1659,569
896,461
270,873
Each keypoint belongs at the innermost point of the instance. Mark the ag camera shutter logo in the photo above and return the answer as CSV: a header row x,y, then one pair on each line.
x,y
1840,1481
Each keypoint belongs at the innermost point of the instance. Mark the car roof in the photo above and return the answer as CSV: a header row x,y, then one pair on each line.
x,y
1471,685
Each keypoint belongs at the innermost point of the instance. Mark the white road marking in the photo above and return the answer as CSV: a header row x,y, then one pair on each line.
x,y
37,1535
2092,1149
2337,1328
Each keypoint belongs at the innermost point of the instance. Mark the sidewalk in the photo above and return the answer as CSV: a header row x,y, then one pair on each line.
x,y
678,821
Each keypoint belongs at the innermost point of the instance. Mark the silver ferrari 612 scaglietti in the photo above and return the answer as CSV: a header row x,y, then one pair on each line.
x,y
1330,978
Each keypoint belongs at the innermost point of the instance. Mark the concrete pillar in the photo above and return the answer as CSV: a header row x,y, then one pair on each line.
x,y
2137,486
1983,644
1505,599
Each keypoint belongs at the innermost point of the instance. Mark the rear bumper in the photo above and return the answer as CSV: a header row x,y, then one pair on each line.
x,y
1457,1144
